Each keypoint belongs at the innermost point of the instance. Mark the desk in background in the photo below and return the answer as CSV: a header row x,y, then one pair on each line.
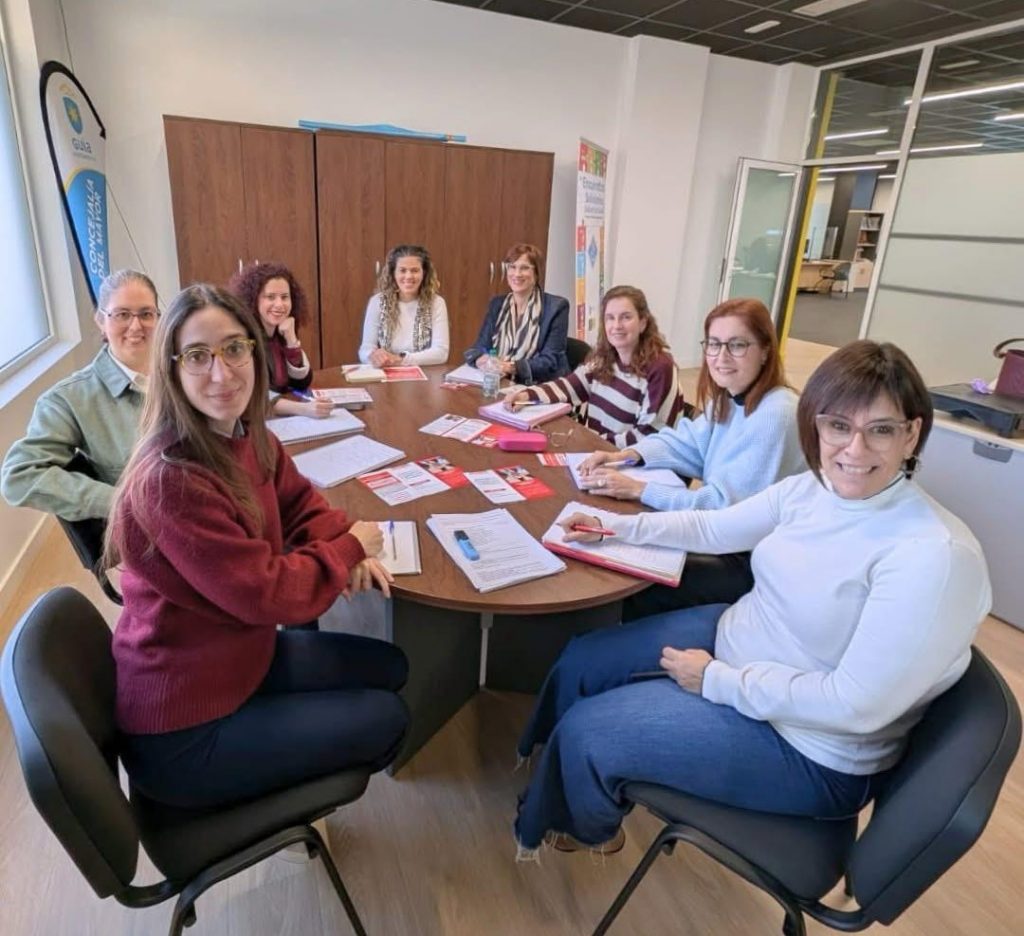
x,y
811,270
444,625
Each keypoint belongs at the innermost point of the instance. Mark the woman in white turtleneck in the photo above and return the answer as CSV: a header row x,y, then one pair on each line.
x,y
867,595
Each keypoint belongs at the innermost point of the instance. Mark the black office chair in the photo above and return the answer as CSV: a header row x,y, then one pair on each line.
x,y
840,274
931,810
576,350
57,681
87,535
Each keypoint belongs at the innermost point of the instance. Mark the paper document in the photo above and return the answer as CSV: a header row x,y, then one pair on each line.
x,y
646,475
332,464
466,373
401,554
657,563
507,554
507,485
304,428
344,396
403,483
361,373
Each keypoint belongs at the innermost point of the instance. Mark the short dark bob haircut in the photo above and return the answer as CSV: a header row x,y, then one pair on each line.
x,y
854,377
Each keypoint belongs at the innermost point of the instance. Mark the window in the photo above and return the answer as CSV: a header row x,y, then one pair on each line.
x,y
24,322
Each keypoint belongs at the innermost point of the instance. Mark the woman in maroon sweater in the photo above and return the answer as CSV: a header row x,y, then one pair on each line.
x,y
221,540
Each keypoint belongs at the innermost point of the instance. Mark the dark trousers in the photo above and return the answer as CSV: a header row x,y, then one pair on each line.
x,y
706,580
329,701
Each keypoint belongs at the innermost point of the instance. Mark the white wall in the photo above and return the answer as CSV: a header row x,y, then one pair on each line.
x,y
952,281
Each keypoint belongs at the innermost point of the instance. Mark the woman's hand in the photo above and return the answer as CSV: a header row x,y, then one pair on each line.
x,y
612,483
316,409
362,577
480,361
512,398
370,536
686,667
379,357
599,458
287,331
508,368
576,536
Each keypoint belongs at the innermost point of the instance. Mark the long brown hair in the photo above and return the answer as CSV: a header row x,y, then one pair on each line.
x,y
758,319
602,360
388,288
173,433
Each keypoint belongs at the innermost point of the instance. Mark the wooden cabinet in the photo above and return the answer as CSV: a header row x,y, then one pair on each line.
x,y
330,205
242,193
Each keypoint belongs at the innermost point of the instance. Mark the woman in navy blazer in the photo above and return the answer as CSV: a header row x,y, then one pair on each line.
x,y
527,327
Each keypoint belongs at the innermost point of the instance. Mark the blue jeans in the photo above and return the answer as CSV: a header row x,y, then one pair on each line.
x,y
328,702
602,731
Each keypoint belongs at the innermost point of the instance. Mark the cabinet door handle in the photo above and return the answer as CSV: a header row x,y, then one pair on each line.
x,y
376,268
490,279
239,264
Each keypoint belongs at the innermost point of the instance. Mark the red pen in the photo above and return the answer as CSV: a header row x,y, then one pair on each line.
x,y
583,528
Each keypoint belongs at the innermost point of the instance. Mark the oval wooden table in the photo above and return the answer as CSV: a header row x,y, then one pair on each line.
x,y
456,638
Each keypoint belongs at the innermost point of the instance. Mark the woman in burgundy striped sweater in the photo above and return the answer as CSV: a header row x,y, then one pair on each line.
x,y
628,386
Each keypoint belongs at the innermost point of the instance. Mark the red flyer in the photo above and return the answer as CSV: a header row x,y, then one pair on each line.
x,y
444,470
523,483
489,437
406,372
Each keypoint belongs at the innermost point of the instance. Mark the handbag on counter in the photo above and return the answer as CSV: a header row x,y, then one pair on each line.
x,y
1011,374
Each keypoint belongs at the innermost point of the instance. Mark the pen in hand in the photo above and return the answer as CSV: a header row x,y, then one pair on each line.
x,y
586,528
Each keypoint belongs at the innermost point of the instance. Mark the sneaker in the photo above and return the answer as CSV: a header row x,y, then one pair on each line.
x,y
562,842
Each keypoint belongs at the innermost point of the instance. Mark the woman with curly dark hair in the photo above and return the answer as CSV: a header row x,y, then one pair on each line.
x,y
628,384
271,292
406,320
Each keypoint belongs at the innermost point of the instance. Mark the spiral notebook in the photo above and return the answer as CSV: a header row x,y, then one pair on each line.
x,y
332,464
290,429
528,417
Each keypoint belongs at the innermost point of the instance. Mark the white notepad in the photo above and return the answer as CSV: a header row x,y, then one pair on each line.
x,y
304,428
507,553
401,553
646,475
662,564
466,373
332,464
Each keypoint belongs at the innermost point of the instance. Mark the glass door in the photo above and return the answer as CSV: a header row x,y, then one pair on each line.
x,y
760,232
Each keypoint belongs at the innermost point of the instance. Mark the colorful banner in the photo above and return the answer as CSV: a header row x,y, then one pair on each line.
x,y
77,141
591,176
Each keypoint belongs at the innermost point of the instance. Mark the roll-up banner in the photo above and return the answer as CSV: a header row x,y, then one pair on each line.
x,y
77,141
592,171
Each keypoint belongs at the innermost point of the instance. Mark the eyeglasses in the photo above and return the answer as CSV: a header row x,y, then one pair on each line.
x,y
737,346
147,316
519,268
879,436
199,360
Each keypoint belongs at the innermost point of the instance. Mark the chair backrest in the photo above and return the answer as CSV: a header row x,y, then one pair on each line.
x,y
576,350
57,680
86,536
841,271
938,799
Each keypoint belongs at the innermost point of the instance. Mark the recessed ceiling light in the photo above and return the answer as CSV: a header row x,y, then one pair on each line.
x,y
1016,115
762,27
969,92
857,168
961,64
821,7
856,133
933,149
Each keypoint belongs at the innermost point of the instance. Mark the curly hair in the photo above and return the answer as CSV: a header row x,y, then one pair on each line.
x,y
602,360
248,283
388,288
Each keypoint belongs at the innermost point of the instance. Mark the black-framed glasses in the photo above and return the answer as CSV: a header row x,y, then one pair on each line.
x,y
880,435
198,360
737,347
146,316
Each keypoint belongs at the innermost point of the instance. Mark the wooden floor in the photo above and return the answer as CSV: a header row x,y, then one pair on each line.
x,y
430,851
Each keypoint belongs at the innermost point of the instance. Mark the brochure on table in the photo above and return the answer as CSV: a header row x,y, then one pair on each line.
x,y
656,563
508,485
506,553
344,396
476,431
413,480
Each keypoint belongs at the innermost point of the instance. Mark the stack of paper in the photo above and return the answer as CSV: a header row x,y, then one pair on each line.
x,y
304,428
506,553
646,475
656,563
361,373
527,417
466,373
342,460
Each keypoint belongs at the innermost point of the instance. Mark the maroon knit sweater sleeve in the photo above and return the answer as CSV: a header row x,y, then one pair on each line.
x,y
305,514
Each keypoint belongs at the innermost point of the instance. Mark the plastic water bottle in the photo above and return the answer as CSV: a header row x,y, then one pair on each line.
x,y
492,375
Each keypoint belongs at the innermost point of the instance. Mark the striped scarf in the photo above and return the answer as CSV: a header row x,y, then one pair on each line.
x,y
422,328
516,334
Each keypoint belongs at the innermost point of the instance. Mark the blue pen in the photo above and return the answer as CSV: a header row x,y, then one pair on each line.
x,y
391,533
621,463
304,394
468,549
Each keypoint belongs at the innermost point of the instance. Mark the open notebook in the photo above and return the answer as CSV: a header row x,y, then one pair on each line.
x,y
647,475
305,428
505,553
332,464
656,563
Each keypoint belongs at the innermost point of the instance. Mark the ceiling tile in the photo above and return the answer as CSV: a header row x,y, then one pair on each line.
x,y
598,20
661,30
998,9
736,27
636,7
879,18
704,14
721,45
944,24
534,9
821,36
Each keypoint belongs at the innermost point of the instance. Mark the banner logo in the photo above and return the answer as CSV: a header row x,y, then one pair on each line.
x,y
74,115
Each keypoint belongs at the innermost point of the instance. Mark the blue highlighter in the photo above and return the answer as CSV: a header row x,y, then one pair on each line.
x,y
468,549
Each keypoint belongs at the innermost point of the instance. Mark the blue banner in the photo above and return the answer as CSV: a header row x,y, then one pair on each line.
x,y
77,141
